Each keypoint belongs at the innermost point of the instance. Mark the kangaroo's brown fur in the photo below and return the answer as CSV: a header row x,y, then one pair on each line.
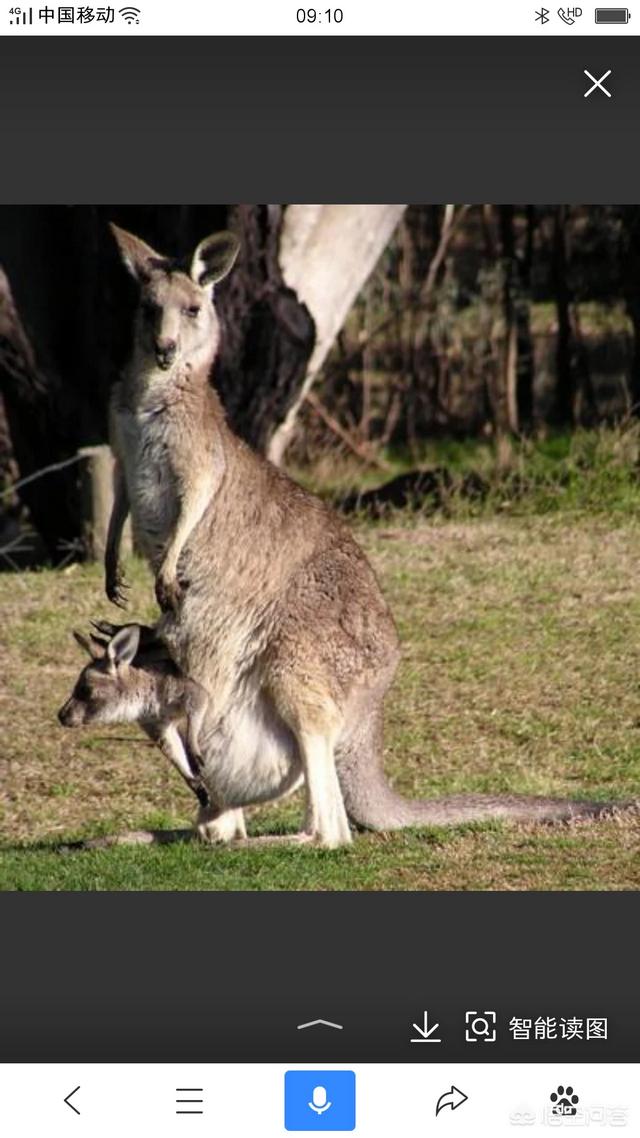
x,y
269,603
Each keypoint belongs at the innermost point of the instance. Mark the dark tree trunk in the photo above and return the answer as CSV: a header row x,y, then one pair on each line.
x,y
39,413
268,336
68,336
497,323
631,286
526,368
563,409
509,294
517,310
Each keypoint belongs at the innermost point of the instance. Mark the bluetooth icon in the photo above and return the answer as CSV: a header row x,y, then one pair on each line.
x,y
542,17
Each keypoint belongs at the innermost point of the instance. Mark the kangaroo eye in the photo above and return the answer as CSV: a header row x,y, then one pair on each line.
x,y
193,311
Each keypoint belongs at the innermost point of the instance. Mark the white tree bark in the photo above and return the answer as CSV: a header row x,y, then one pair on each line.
x,y
327,253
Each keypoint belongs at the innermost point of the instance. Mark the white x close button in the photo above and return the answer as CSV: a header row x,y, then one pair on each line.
x,y
597,84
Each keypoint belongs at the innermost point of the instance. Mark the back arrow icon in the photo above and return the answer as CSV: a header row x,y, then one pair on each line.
x,y
70,1095
426,1032
453,1098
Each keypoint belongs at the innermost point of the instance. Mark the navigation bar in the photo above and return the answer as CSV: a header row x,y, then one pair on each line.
x,y
271,1099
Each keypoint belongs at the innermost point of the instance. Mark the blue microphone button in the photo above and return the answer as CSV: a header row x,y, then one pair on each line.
x,y
320,1100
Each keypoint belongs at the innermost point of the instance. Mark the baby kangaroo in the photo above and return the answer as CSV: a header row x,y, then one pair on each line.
x,y
130,678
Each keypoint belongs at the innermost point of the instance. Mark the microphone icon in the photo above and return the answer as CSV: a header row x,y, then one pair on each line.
x,y
319,1101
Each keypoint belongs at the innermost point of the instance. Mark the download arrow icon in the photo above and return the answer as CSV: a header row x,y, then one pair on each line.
x,y
426,1032
453,1098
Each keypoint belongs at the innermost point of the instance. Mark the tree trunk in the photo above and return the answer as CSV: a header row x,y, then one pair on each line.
x,y
631,277
510,340
66,307
268,332
517,316
526,370
425,382
500,354
563,410
39,417
327,253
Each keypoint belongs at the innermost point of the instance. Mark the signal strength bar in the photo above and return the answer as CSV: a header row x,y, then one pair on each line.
x,y
21,16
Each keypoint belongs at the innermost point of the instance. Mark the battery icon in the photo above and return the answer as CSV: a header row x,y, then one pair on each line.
x,y
612,15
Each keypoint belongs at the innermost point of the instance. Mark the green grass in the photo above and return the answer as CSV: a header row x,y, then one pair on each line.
x,y
481,857
520,672
584,472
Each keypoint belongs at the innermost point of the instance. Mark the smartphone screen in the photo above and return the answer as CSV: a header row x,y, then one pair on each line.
x,y
319,610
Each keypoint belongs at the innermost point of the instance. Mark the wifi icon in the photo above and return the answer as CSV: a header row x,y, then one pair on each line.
x,y
130,15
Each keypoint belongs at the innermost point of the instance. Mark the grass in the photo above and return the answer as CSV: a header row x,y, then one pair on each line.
x,y
592,471
520,672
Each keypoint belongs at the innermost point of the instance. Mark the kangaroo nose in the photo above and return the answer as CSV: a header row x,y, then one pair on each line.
x,y
166,352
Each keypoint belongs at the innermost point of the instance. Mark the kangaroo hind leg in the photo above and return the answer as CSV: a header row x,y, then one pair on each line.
x,y
301,695
326,817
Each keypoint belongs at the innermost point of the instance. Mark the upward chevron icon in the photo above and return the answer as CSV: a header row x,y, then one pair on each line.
x,y
320,1023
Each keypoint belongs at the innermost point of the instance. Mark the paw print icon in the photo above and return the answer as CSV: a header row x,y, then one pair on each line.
x,y
564,1101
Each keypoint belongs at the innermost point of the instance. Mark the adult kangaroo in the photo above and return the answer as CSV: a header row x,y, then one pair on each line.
x,y
268,601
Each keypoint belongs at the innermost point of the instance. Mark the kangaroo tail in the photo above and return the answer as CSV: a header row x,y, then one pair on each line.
x,y
380,808
372,804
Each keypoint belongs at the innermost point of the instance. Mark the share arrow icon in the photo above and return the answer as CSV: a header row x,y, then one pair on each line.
x,y
453,1098
426,1033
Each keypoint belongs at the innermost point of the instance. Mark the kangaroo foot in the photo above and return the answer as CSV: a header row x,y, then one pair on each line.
x,y
116,589
213,826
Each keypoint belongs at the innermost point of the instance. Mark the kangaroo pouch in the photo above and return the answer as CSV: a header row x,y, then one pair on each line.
x,y
250,755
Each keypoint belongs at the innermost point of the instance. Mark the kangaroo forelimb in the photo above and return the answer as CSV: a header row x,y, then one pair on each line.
x,y
115,583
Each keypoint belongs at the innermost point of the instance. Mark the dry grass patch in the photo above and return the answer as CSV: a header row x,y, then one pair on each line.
x,y
520,672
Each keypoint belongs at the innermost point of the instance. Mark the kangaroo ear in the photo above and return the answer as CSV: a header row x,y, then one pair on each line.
x,y
123,647
94,649
214,258
139,258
